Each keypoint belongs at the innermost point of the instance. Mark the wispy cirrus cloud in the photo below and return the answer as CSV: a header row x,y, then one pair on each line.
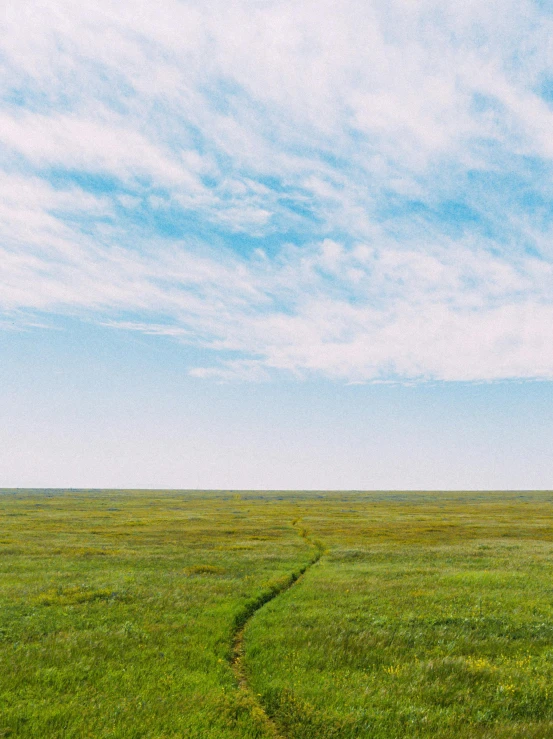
x,y
362,191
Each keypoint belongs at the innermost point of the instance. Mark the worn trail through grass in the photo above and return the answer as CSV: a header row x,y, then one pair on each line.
x,y
243,619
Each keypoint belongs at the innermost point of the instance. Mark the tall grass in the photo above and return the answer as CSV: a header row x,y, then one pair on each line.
x,y
427,615
117,610
430,616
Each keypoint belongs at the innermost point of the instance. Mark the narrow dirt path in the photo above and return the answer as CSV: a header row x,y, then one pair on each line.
x,y
237,657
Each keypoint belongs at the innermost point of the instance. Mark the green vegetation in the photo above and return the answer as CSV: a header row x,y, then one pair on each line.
x,y
179,614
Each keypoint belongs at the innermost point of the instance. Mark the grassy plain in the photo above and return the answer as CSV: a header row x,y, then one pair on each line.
x,y
427,615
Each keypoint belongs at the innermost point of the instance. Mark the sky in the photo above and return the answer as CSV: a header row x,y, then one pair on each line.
x,y
279,244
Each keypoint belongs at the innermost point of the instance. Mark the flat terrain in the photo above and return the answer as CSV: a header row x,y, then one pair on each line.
x,y
183,614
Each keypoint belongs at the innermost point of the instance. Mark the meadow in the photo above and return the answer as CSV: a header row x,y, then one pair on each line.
x,y
132,614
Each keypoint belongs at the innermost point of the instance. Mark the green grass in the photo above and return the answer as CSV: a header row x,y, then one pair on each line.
x,y
118,610
428,615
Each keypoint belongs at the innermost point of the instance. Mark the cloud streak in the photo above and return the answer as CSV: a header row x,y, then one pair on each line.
x,y
361,193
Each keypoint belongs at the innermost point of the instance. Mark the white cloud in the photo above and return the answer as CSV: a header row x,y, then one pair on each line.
x,y
432,313
335,131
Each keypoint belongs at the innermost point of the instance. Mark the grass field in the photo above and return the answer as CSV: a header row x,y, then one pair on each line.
x,y
180,614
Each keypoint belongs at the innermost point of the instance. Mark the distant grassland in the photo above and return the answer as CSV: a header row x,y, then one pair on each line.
x,y
428,615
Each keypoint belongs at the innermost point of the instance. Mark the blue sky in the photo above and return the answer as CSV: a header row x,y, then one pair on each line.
x,y
276,244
